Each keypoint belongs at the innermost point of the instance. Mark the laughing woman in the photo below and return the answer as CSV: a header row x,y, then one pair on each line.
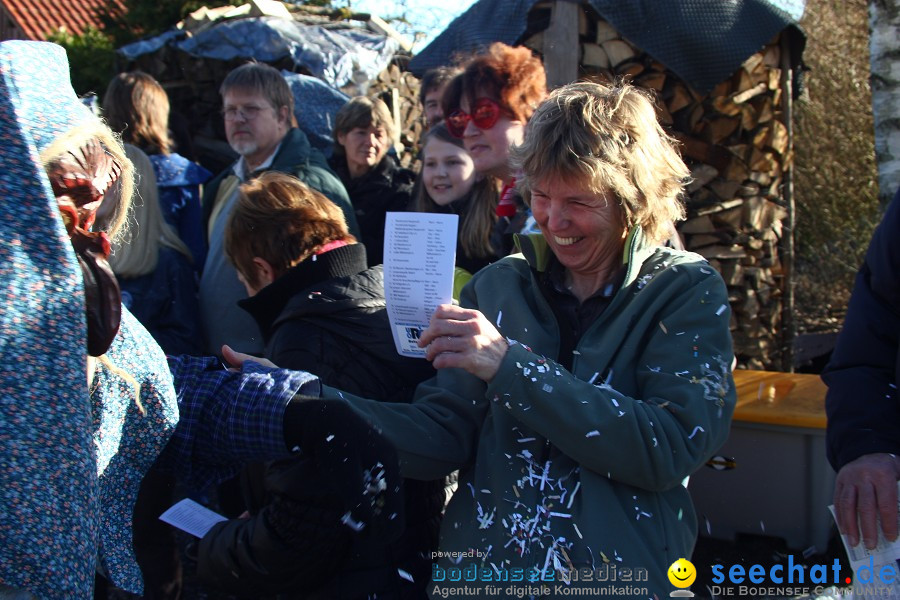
x,y
582,380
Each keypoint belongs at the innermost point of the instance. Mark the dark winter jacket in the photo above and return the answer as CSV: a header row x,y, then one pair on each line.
x,y
862,376
386,188
298,158
165,302
327,315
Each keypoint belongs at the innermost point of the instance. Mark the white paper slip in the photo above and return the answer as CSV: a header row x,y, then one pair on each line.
x,y
876,572
191,517
419,258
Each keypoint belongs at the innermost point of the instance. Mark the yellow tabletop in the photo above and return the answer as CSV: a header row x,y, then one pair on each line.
x,y
788,399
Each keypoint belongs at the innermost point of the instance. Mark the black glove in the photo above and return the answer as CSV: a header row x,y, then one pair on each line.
x,y
357,460
296,542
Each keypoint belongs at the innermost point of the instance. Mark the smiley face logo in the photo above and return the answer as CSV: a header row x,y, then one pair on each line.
x,y
682,573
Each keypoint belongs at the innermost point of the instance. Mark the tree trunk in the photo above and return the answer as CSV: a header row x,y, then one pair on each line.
x,y
884,22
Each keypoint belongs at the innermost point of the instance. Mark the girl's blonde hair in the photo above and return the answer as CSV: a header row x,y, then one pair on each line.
x,y
137,252
480,215
608,136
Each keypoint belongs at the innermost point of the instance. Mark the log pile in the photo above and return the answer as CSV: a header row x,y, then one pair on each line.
x,y
400,91
736,142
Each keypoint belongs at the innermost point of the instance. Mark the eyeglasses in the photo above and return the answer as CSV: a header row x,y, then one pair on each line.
x,y
484,115
247,113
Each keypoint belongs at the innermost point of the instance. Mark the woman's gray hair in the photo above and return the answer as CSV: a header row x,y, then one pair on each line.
x,y
609,137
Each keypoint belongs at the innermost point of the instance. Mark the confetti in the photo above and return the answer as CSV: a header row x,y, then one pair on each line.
x,y
401,572
330,437
721,310
499,317
593,433
572,497
663,327
694,432
350,522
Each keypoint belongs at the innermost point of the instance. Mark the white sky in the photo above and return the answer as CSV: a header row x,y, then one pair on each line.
x,y
427,16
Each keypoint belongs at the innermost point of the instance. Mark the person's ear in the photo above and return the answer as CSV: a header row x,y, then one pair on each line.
x,y
341,138
265,272
284,115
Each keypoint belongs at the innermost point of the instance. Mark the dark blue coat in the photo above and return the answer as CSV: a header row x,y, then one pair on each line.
x,y
862,377
165,302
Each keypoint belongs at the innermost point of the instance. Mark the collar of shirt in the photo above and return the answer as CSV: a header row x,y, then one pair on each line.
x,y
240,167
556,275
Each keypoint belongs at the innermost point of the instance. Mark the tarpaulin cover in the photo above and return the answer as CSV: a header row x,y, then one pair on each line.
x,y
702,41
336,56
315,105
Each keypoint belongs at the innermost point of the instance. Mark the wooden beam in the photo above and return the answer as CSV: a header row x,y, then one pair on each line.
x,y
789,327
561,44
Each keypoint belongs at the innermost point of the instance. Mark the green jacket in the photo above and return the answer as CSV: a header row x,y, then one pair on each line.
x,y
563,471
298,158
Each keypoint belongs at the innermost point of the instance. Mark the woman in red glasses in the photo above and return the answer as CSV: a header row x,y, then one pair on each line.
x,y
487,106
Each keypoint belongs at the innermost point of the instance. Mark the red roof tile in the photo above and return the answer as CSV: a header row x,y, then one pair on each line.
x,y
38,18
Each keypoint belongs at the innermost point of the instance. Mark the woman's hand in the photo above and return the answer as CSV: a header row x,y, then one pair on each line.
x,y
465,339
236,359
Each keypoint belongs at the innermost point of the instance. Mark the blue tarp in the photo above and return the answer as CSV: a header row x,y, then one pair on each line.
x,y
702,41
336,56
315,104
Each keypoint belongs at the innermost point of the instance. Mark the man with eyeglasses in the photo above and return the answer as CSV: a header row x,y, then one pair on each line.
x,y
258,108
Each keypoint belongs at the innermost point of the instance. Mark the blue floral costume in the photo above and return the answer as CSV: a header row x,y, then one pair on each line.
x,y
70,462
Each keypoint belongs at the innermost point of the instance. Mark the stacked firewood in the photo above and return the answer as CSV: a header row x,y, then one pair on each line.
x,y
736,141
400,91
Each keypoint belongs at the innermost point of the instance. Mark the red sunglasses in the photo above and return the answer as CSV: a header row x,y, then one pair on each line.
x,y
484,115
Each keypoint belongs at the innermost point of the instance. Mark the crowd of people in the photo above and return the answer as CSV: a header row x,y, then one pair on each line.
x,y
581,375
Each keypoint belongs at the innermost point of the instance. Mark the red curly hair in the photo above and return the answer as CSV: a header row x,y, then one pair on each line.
x,y
514,77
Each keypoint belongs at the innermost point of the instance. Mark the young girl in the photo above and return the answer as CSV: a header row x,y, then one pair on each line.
x,y
449,183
